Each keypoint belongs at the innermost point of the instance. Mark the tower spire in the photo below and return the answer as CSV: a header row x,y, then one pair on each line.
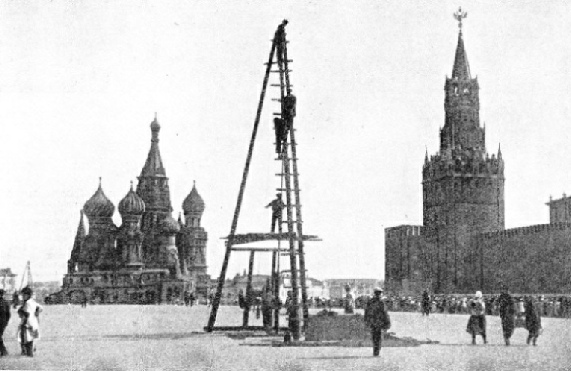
x,y
461,69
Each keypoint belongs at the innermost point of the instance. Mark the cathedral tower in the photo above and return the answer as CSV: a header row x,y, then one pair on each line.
x,y
192,239
463,187
153,188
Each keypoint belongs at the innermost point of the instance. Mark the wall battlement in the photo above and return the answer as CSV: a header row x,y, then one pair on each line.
x,y
531,229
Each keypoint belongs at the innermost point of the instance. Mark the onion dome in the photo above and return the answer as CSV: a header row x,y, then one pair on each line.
x,y
193,203
99,205
131,204
169,225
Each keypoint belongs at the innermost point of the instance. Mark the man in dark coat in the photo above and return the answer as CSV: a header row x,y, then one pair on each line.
x,y
533,318
507,314
4,319
281,130
377,318
425,303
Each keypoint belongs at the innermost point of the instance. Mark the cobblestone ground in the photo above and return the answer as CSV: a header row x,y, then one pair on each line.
x,y
171,338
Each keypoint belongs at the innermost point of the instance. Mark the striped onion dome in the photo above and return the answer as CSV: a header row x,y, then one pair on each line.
x,y
193,203
131,204
99,205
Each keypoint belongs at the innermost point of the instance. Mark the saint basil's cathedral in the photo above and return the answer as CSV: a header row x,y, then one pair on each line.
x,y
150,257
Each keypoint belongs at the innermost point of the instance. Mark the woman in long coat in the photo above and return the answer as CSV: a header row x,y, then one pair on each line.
x,y
477,321
507,314
532,319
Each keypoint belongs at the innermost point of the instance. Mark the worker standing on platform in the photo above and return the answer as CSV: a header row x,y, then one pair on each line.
x,y
277,206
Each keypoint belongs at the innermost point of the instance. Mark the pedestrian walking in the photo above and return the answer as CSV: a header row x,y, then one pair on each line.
x,y
377,318
507,314
477,321
533,319
4,319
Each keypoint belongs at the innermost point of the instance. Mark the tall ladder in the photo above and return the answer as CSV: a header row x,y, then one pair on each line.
x,y
289,170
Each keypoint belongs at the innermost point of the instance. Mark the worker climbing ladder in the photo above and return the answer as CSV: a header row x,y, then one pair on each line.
x,y
289,184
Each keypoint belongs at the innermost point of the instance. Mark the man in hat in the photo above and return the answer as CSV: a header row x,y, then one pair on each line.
x,y
277,206
4,319
377,318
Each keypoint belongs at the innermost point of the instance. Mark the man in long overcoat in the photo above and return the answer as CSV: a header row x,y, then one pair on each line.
x,y
4,319
377,318
507,314
533,318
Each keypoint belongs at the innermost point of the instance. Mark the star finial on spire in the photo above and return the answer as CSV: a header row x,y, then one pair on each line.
x,y
131,185
459,15
99,182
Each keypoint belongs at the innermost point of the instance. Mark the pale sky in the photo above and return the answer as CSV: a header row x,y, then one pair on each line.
x,y
80,82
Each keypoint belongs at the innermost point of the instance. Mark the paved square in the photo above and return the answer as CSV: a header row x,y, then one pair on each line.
x,y
125,337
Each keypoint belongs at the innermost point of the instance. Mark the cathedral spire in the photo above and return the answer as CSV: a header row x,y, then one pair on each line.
x,y
461,69
80,228
154,164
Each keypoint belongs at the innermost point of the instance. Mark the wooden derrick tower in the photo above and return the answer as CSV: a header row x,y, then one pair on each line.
x,y
289,184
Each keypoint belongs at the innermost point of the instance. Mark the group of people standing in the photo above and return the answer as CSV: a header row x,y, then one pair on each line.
x,y
511,315
28,328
